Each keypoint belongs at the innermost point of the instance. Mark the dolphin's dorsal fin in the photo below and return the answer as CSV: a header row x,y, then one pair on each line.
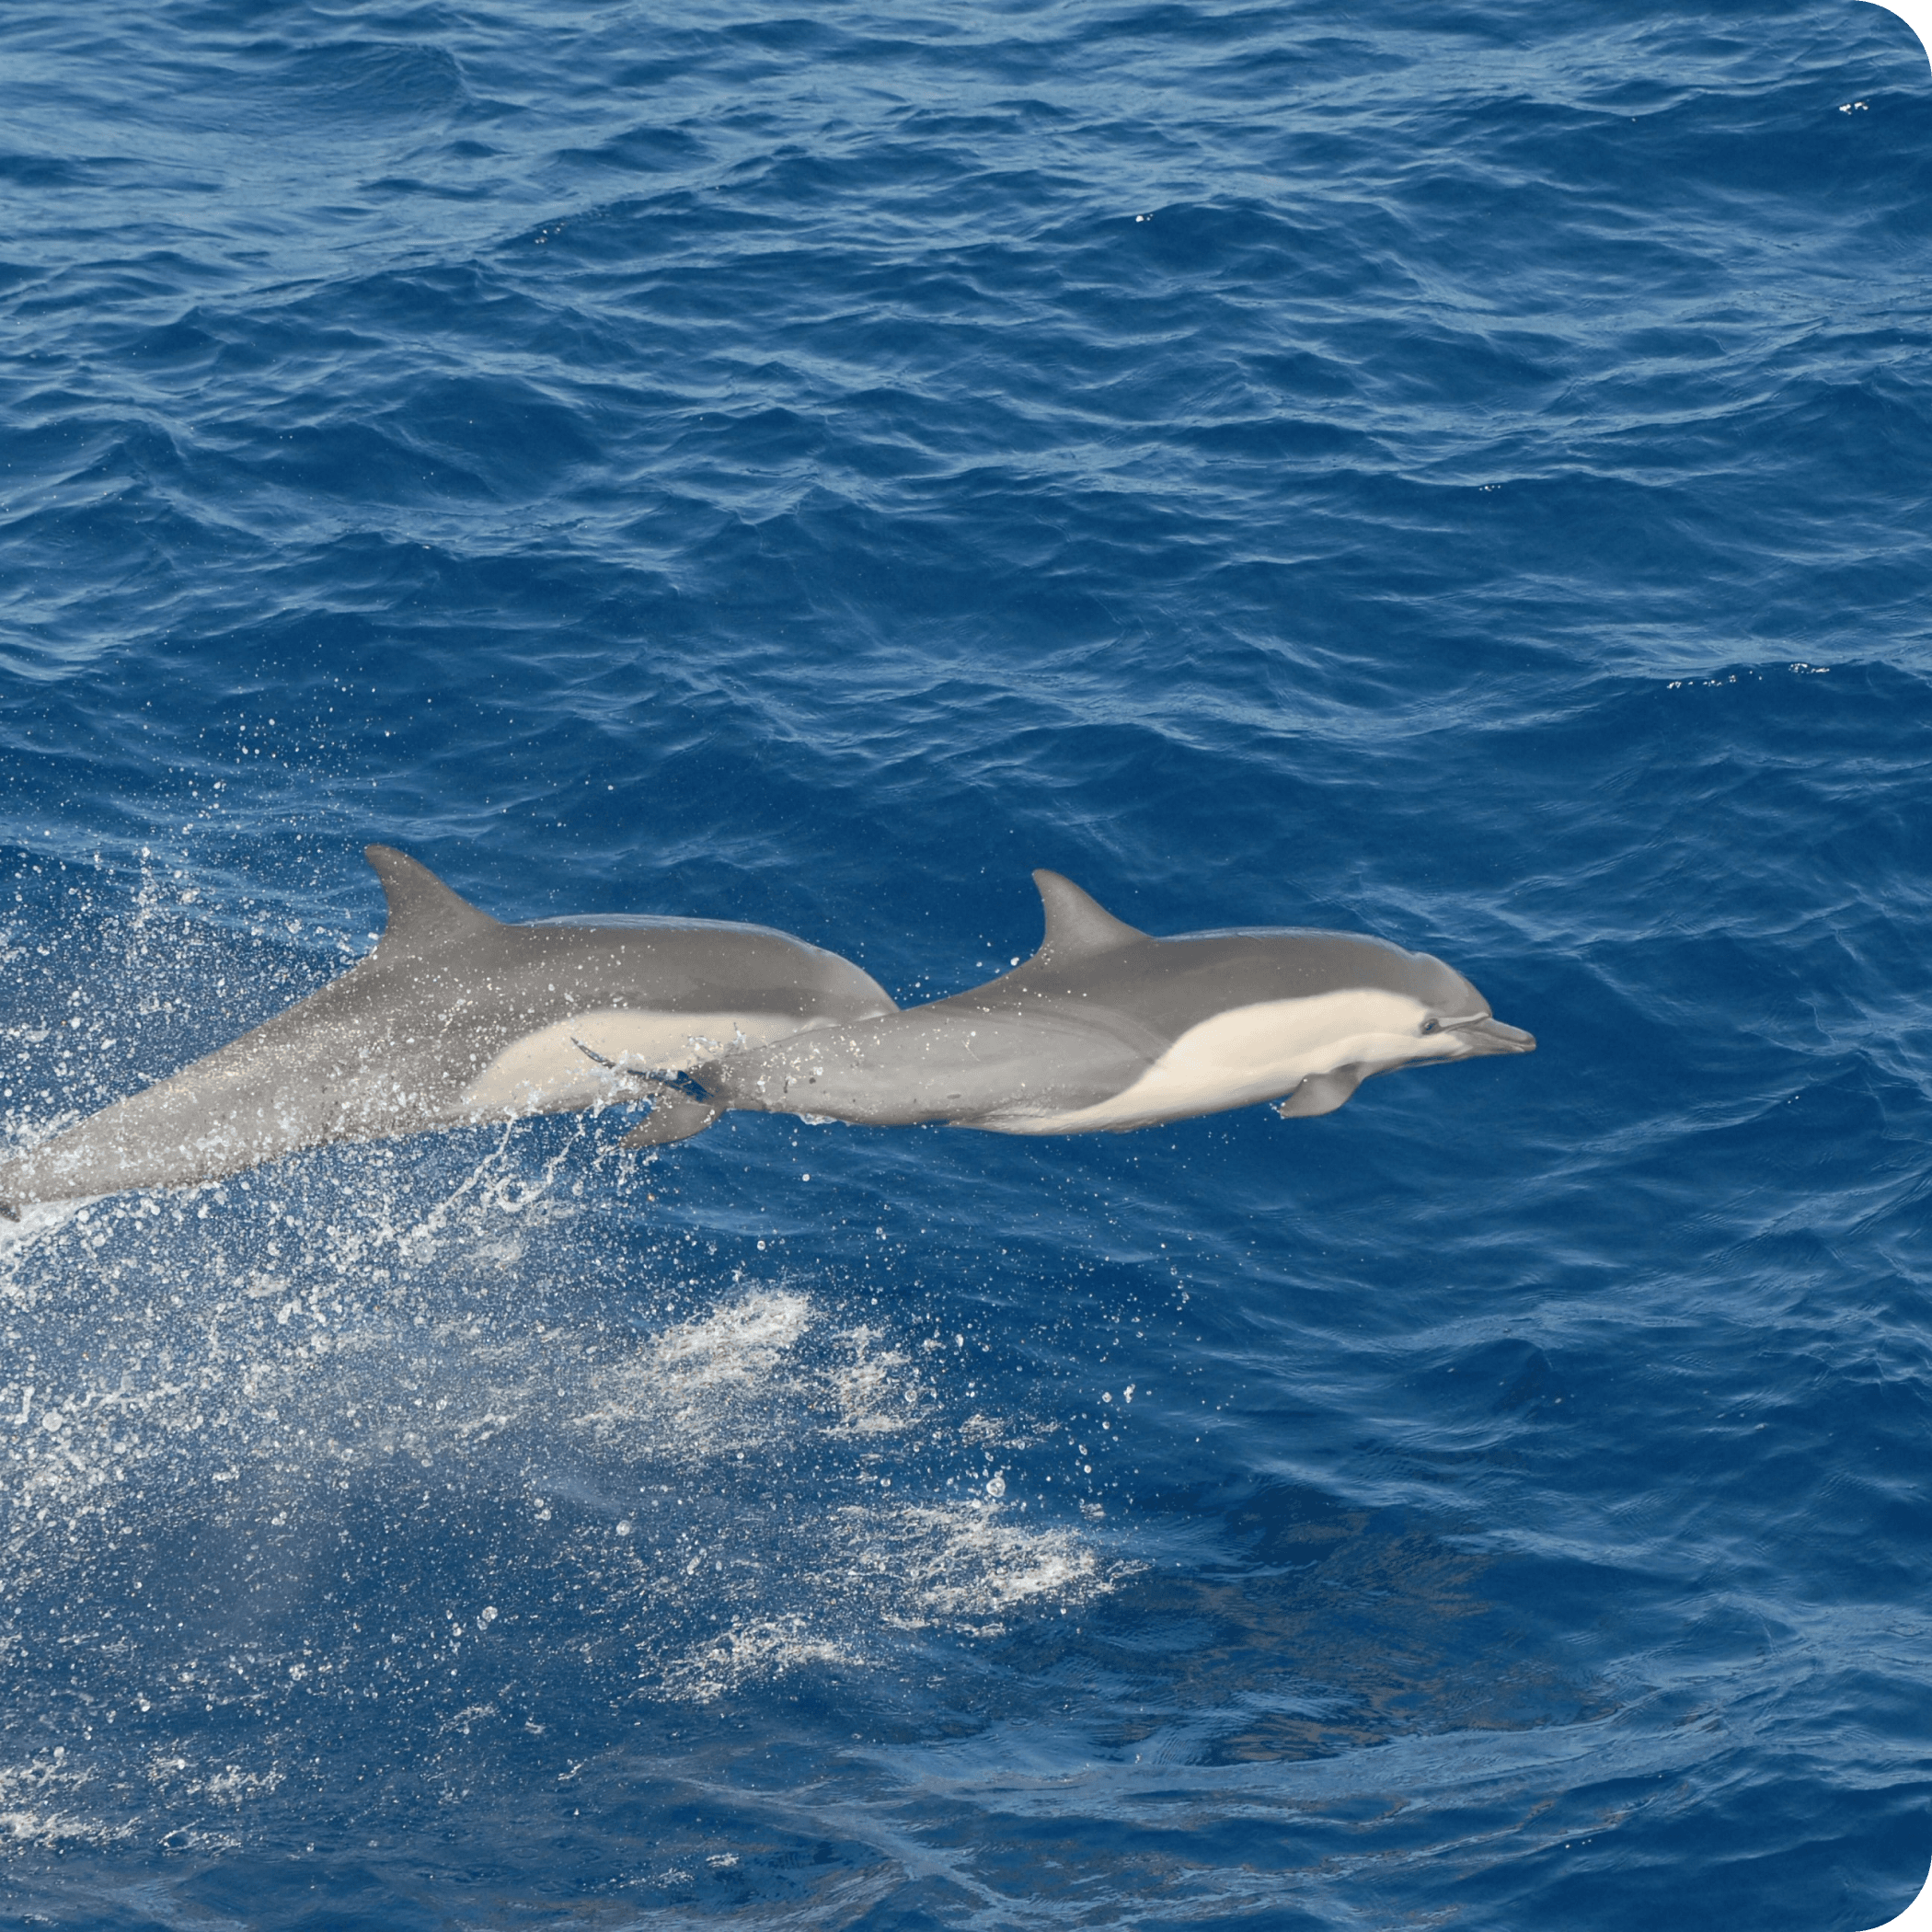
x,y
1076,925
422,910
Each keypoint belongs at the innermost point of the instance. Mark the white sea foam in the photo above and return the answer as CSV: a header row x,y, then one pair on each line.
x,y
748,1653
738,1342
724,1483
38,1805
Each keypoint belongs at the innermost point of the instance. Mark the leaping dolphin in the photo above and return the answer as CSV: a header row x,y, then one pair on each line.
x,y
1106,1028
454,1018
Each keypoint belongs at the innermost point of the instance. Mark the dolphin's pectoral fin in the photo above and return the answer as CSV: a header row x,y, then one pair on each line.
x,y
672,1117
1320,1093
679,1107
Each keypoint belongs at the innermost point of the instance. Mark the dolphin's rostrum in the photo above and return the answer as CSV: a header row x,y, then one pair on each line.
x,y
454,1018
1106,1028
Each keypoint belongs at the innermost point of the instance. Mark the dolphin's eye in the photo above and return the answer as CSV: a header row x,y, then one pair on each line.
x,y
1429,1026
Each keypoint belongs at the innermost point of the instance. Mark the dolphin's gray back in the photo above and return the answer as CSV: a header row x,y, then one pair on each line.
x,y
401,1041
441,960
1166,986
659,922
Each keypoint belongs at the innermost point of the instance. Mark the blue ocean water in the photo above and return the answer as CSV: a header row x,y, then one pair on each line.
x,y
1460,476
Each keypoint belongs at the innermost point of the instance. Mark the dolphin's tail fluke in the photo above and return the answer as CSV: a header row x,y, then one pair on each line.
x,y
675,1116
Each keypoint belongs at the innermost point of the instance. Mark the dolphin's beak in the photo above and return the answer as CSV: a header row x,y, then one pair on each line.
x,y
1493,1036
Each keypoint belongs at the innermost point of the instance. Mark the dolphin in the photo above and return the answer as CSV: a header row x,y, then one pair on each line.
x,y
1106,1028
454,1018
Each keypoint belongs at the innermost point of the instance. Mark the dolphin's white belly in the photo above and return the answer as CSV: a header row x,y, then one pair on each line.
x,y
1249,1054
549,1072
